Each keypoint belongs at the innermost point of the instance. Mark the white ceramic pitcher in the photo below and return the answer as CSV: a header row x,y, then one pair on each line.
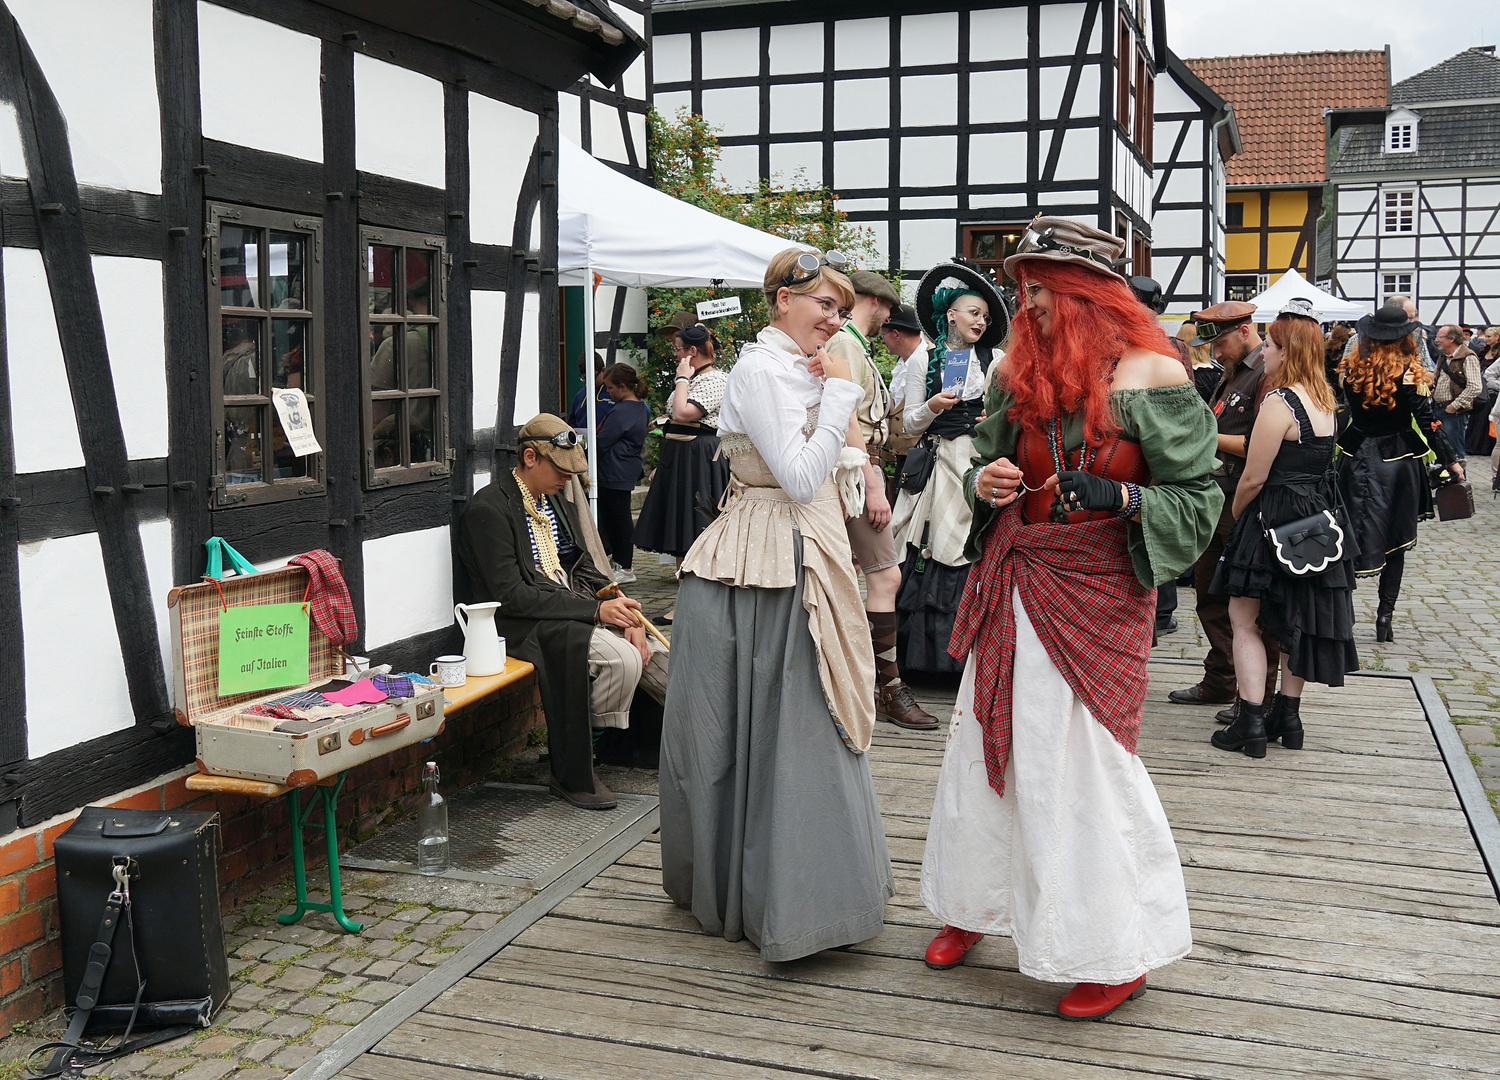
x,y
481,639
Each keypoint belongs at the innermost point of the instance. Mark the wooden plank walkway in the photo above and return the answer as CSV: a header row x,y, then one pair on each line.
x,y
1343,924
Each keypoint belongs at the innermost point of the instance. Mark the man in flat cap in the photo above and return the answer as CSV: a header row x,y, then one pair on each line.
x,y
1229,328
870,536
526,546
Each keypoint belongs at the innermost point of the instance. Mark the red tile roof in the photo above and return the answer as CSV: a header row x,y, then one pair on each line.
x,y
1278,104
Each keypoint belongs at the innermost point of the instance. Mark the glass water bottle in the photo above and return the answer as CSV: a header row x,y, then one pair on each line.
x,y
432,825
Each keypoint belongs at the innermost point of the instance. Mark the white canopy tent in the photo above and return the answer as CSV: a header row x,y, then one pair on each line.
x,y
1329,308
628,234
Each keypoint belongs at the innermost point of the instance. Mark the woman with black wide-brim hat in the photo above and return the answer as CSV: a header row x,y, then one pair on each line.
x,y
964,312
1391,430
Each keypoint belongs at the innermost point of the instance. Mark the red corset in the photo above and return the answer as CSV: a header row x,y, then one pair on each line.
x,y
1119,459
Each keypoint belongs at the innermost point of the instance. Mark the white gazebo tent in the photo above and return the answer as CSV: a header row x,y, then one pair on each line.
x,y
1329,308
622,232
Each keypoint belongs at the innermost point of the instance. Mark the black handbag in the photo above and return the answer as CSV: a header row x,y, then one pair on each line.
x,y
1454,501
1308,545
142,943
916,470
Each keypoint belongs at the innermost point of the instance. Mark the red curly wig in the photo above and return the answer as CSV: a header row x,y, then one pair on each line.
x,y
1095,319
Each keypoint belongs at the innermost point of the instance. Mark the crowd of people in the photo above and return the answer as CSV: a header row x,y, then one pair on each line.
x,y
1053,467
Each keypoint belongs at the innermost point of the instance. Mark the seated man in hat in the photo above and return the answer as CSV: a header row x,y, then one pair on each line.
x,y
526,547
870,536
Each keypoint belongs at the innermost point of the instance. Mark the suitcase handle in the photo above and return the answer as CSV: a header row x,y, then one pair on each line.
x,y
395,725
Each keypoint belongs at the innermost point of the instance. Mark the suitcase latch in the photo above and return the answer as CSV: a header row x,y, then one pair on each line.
x,y
327,744
426,709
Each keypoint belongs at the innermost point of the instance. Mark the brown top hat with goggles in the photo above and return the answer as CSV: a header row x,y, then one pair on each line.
x,y
1215,322
1060,239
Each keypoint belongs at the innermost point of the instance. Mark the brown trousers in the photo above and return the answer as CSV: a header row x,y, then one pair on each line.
x,y
1213,613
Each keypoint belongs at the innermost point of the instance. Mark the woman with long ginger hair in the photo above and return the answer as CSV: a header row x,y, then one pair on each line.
x,y
1381,474
1287,477
1090,486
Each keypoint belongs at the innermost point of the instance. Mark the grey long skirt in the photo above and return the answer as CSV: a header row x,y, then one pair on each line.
x,y
769,825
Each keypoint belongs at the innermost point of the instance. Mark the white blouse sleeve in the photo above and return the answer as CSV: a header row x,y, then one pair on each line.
x,y
918,417
765,410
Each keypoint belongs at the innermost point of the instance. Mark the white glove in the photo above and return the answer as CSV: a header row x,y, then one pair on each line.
x,y
849,474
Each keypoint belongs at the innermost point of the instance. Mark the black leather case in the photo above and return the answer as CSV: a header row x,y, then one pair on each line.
x,y
174,893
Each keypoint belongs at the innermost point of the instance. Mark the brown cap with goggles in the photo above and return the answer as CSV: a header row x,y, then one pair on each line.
x,y
552,438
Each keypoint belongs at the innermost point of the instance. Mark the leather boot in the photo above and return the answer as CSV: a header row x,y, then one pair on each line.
x,y
1383,623
896,704
1284,722
601,798
1226,716
950,947
1247,733
1089,1001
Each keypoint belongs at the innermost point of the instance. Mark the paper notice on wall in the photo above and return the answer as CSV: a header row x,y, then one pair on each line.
x,y
296,421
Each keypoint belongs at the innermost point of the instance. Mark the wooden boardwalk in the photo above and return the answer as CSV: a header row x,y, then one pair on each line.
x,y
1344,926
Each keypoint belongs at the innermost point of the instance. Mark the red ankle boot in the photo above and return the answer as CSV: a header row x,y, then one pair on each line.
x,y
949,947
1089,1001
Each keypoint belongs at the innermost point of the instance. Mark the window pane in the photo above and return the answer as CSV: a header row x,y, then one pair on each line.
x,y
241,356
288,350
239,267
242,447
383,356
385,424
984,247
284,463
381,266
422,440
418,357
288,270
418,282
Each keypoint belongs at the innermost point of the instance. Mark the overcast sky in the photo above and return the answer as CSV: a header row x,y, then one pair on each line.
x,y
1419,34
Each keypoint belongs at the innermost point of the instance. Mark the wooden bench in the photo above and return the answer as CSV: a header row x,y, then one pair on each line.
x,y
472,692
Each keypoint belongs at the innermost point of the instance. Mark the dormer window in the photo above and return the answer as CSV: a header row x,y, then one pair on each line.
x,y
1401,132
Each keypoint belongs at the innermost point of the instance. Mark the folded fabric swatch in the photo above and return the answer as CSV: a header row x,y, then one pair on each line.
x,y
364,692
416,677
394,685
328,596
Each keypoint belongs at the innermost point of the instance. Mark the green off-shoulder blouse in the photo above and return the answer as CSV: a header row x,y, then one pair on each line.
x,y
1179,438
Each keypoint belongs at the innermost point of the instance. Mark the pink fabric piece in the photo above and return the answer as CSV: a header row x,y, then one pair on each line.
x,y
364,692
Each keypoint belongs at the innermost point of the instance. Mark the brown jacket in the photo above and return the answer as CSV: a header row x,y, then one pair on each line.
x,y
1446,392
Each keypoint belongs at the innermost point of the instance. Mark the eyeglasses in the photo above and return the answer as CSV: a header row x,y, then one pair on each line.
x,y
975,314
563,440
809,266
830,308
1033,288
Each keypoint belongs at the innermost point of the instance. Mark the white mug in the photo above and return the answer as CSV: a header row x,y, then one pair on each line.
x,y
448,670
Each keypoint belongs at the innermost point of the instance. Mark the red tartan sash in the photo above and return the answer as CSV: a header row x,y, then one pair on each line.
x,y
1091,612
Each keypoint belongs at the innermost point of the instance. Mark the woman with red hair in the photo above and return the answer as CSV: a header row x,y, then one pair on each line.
x,y
1090,487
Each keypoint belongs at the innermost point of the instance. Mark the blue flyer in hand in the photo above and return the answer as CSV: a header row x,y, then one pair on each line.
x,y
956,371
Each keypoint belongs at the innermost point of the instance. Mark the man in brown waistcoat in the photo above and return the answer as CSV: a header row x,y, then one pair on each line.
x,y
1229,329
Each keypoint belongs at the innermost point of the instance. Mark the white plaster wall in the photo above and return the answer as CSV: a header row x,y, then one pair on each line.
x,y
1357,250
797,164
734,109
929,39
1059,30
998,34
1013,205
422,563
929,161
929,100
861,103
398,122
1354,201
862,43
481,479
131,300
880,233
487,324
740,167
1170,97
634,318
1183,185
862,163
1068,198
730,53
1395,249
998,158
608,139
156,541
668,104
569,113
528,383
99,58
12,156
634,80
796,107
501,139
796,47
236,108
1079,159
926,241
1052,81
75,673
672,58
1177,228
41,407
930,202
997,97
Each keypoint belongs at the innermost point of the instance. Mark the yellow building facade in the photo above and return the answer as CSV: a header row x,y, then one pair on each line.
x,y
1268,231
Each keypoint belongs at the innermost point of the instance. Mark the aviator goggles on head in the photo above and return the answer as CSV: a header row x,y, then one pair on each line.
x,y
809,266
1208,331
1033,241
563,440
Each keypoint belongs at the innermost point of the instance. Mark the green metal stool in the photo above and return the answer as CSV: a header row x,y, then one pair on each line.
x,y
302,818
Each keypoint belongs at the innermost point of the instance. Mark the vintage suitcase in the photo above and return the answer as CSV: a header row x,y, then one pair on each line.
x,y
231,743
1454,500
172,930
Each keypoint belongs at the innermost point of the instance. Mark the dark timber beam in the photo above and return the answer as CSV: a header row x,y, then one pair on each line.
x,y
460,328
549,378
80,330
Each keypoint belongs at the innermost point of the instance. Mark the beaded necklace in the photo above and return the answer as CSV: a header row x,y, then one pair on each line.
x,y
541,534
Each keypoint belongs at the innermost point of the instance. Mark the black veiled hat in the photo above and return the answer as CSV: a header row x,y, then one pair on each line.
x,y
970,279
1390,323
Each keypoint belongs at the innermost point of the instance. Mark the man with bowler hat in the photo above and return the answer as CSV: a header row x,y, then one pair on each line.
x,y
1229,329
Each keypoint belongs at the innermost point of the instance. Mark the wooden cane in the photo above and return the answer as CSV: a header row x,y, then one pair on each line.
x,y
611,591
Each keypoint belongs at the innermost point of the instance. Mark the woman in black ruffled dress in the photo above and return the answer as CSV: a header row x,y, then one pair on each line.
x,y
1288,476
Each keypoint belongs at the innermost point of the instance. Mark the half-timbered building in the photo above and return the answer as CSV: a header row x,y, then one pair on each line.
x,y
1417,185
1275,197
943,125
1196,135
204,202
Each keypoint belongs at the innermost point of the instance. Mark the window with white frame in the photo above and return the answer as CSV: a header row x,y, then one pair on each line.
x,y
1399,211
1396,284
1400,138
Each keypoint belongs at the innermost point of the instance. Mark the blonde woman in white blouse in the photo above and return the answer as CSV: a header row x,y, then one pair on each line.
x,y
769,826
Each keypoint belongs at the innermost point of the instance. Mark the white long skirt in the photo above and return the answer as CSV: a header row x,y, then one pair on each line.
x,y
1076,862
